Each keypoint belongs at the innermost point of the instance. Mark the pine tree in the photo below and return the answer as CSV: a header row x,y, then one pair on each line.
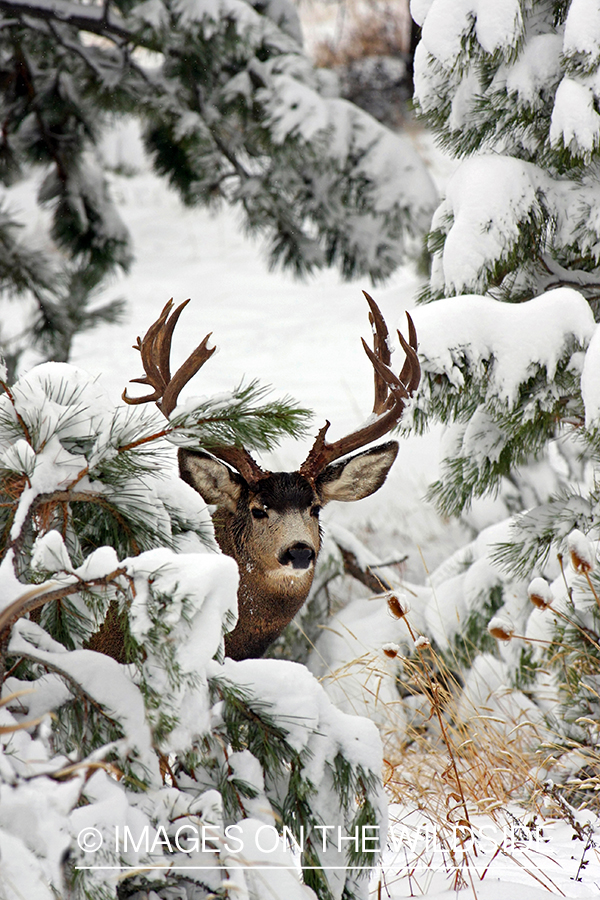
x,y
232,111
508,341
179,767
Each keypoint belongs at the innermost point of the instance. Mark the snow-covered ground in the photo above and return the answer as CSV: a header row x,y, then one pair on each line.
x,y
500,862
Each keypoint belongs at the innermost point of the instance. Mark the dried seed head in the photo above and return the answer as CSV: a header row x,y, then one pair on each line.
x,y
501,628
422,642
540,593
581,552
391,650
398,604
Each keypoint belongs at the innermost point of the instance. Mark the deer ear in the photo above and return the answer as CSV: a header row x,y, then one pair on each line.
x,y
359,476
215,482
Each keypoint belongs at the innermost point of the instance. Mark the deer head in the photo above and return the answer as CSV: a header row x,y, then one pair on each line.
x,y
269,521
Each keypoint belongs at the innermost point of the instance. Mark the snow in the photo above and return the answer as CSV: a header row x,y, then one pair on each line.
x,y
268,866
394,177
311,720
517,339
503,629
201,588
51,555
98,564
469,88
498,25
22,874
590,382
319,731
537,66
540,593
350,661
48,693
583,556
582,28
500,859
419,9
487,199
102,678
574,117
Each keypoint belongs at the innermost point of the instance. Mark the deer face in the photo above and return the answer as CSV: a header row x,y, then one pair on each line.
x,y
269,521
272,530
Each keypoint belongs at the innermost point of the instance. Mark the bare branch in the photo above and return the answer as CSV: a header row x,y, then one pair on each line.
x,y
42,594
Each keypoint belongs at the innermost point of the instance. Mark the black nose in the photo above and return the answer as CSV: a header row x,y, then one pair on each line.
x,y
300,556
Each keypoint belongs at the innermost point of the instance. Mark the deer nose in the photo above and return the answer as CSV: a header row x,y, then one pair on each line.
x,y
299,555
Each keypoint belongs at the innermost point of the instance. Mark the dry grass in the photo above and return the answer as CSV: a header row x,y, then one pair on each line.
x,y
447,769
477,758
490,773
453,765
381,29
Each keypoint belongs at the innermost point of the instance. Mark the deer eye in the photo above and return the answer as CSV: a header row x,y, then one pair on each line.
x,y
260,513
315,510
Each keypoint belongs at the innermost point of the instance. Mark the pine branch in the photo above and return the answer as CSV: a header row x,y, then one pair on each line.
x,y
238,419
38,597
93,19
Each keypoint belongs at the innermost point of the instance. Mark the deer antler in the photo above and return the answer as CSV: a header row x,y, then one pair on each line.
x,y
155,350
391,393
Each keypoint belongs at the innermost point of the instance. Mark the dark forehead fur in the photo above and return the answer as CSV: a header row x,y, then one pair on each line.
x,y
282,491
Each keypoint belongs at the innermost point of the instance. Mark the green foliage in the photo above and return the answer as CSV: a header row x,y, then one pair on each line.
x,y
120,638
519,220
574,656
473,637
231,112
488,101
538,532
240,420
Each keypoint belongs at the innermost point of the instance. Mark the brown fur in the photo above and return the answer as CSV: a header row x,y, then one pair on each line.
x,y
273,585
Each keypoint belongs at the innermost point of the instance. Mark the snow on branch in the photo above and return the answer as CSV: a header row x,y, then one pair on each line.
x,y
501,214
88,17
507,341
507,377
447,26
98,677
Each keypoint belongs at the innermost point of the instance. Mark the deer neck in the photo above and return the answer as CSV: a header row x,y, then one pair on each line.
x,y
267,600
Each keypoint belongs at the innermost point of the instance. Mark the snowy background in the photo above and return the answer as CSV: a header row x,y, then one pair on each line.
x,y
303,338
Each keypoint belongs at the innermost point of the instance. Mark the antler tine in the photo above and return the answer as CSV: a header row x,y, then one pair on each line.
x,y
240,459
411,367
155,350
147,348
154,377
391,393
382,350
164,338
391,381
184,373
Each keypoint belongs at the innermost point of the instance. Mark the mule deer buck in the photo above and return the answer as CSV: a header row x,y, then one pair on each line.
x,y
269,521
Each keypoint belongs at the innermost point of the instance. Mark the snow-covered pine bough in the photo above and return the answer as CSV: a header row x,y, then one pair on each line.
x,y
269,521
